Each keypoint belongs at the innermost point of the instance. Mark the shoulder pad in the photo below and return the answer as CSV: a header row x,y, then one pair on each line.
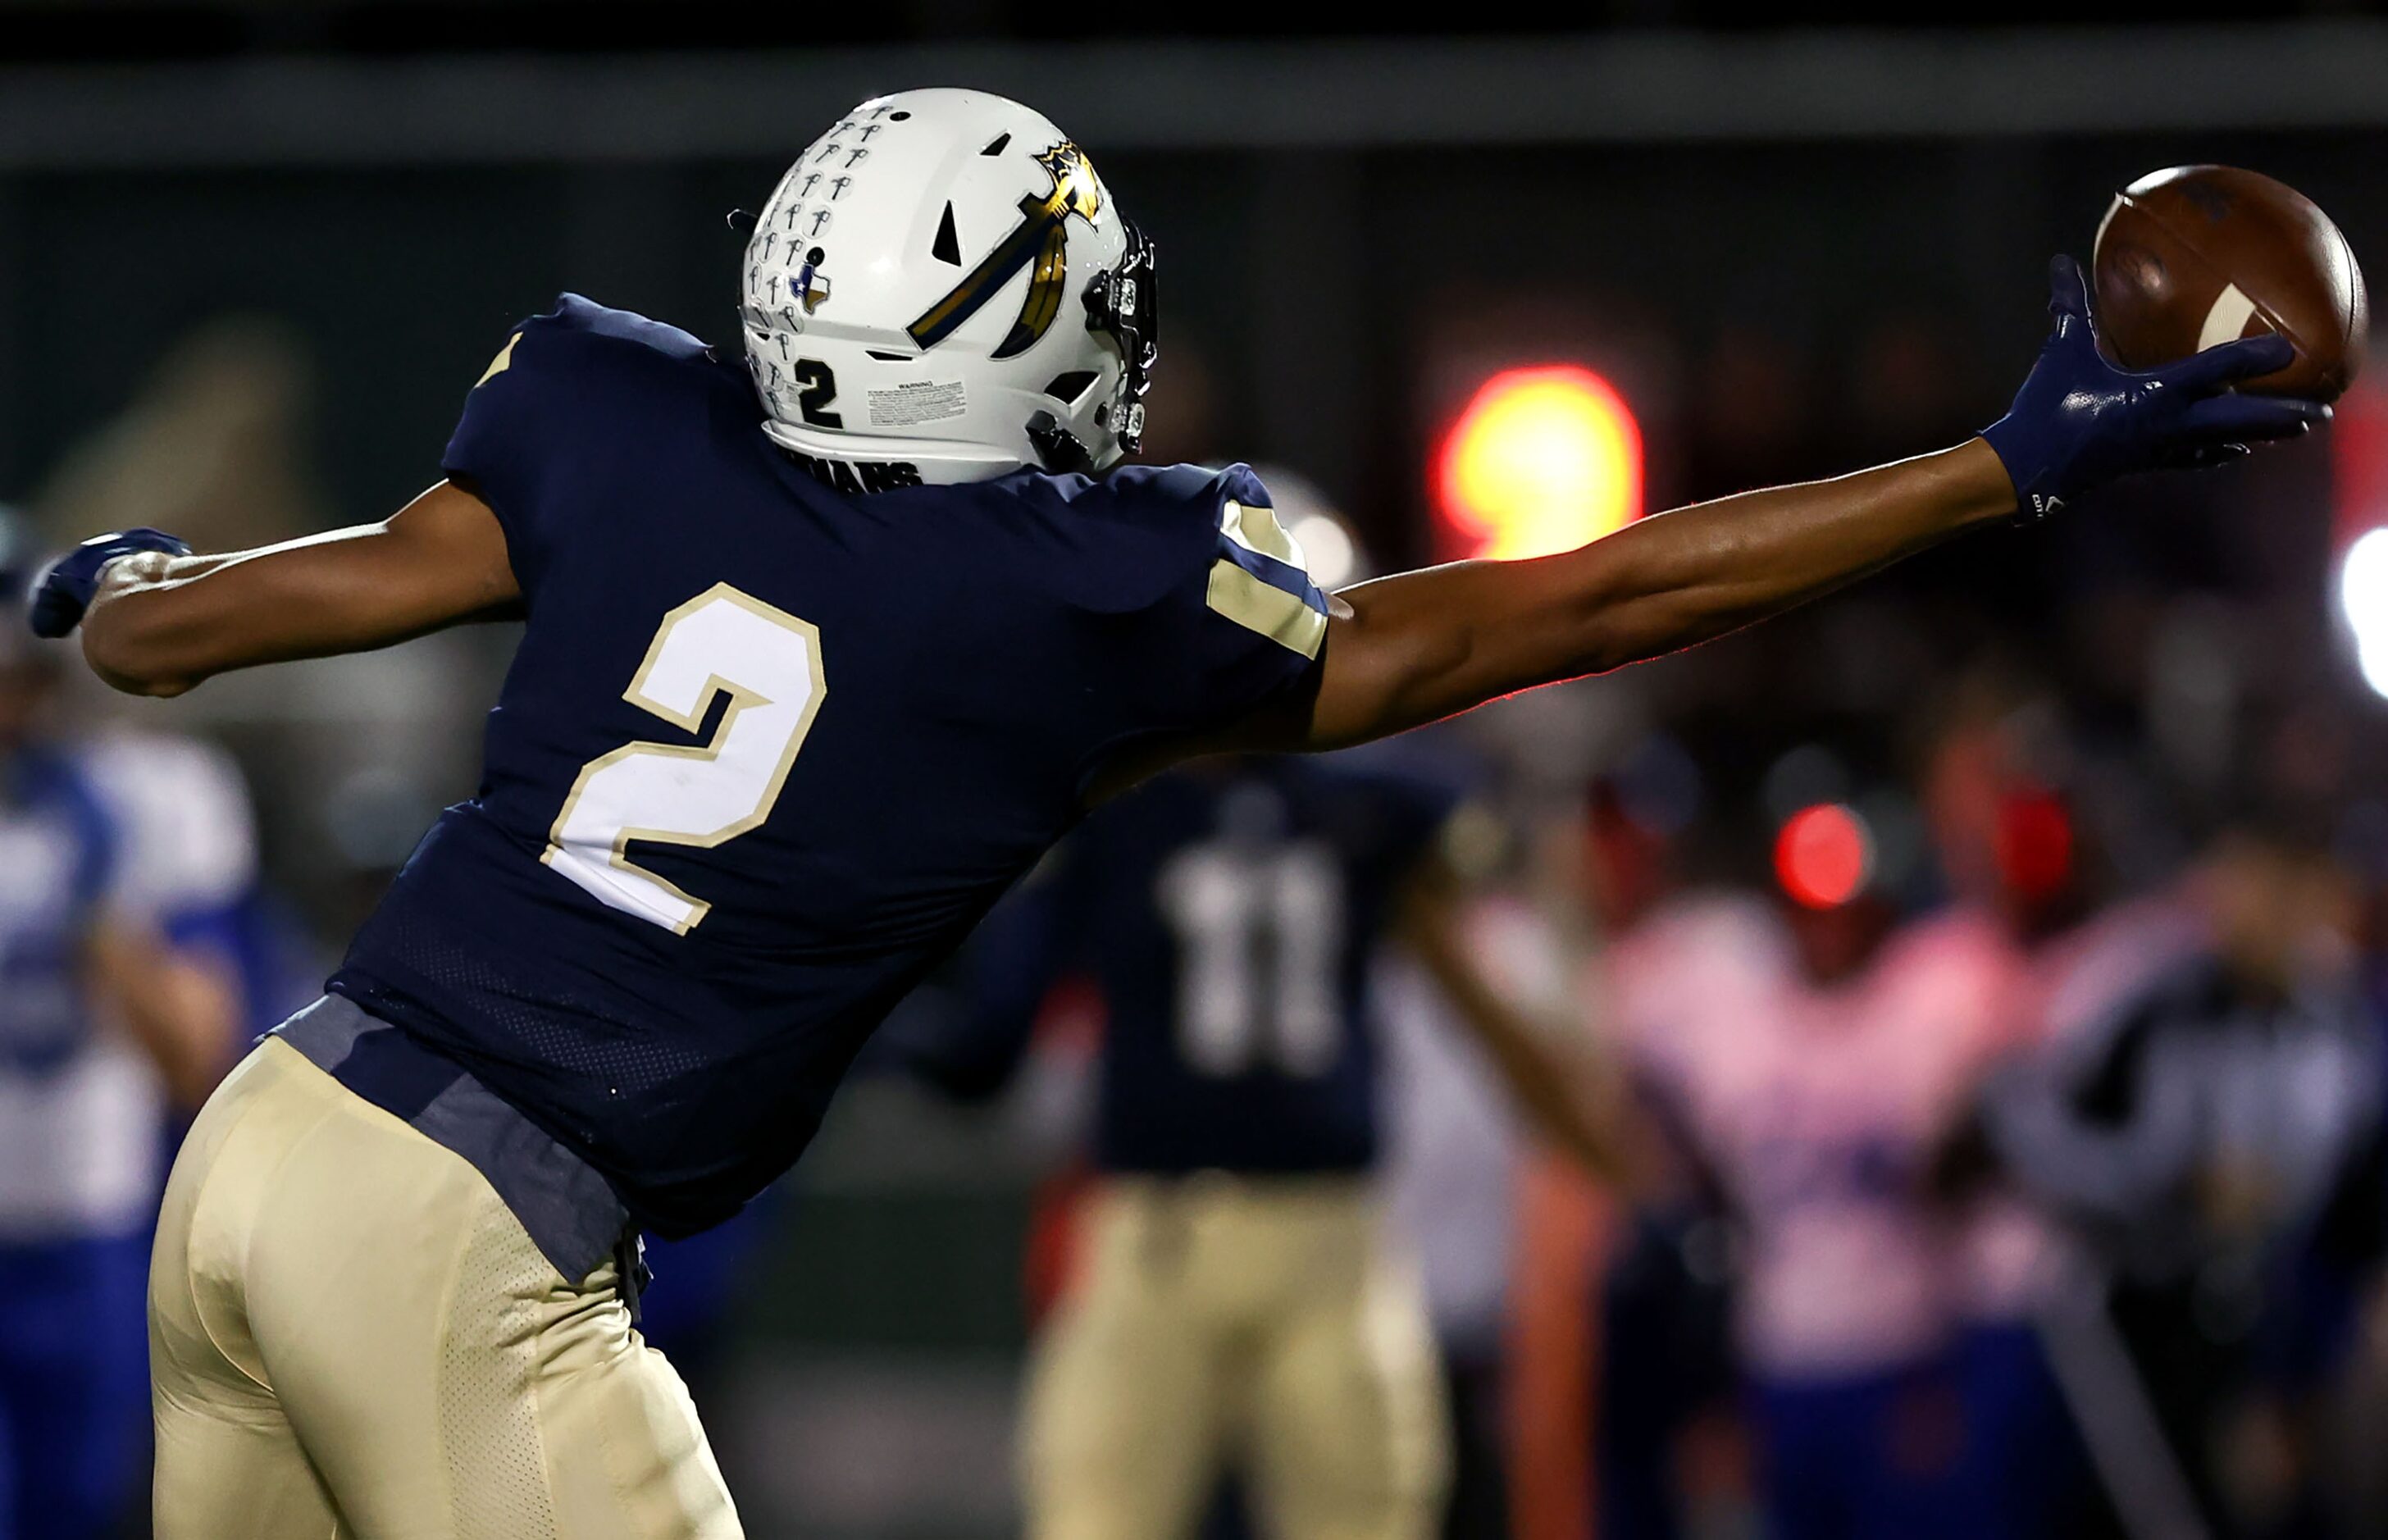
x,y
575,313
564,395
1189,606
1257,576
578,331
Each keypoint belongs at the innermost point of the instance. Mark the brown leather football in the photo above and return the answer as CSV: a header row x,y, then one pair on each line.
x,y
2197,255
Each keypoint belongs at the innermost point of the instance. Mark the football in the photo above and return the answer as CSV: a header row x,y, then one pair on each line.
x,y
2194,256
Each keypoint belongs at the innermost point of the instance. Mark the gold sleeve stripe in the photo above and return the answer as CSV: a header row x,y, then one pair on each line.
x,y
1256,529
501,363
1282,618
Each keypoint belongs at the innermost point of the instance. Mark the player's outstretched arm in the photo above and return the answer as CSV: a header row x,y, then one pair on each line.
x,y
1419,646
1413,648
157,619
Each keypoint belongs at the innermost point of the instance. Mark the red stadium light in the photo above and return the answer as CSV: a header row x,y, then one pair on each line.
x,y
1824,856
1542,459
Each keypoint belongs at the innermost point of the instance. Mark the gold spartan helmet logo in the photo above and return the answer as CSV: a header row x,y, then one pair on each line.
x,y
1038,239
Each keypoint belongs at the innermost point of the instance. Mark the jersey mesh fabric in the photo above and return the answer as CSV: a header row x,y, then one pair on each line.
x,y
497,1460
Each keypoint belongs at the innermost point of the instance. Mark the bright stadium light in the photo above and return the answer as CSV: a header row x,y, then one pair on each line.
x,y
2363,599
1542,459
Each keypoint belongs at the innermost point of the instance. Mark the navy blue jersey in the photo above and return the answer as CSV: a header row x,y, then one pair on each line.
x,y
1227,912
777,733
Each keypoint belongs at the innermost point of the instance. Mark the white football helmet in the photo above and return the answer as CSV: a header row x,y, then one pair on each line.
x,y
942,285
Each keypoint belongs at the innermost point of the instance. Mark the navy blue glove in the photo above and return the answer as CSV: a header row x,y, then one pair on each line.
x,y
2080,420
65,590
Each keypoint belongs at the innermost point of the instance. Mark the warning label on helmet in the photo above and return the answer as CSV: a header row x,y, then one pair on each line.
x,y
916,401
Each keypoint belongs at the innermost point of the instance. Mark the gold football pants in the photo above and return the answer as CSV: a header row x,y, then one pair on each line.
x,y
350,1335
1257,1325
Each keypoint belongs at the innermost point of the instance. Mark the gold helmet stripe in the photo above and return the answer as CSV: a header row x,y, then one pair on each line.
x,y
1041,237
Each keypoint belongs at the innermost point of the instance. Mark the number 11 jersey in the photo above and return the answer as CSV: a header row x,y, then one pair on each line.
x,y
778,732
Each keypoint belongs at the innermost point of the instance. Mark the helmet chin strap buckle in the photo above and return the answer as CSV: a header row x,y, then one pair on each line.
x,y
1058,449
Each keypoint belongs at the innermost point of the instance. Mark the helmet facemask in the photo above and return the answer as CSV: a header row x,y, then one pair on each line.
x,y
1124,304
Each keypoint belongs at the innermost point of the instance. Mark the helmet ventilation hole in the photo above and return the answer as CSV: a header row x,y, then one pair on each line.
x,y
1067,389
996,145
946,248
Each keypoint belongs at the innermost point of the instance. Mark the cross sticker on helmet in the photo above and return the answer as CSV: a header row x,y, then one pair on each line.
x,y
1040,238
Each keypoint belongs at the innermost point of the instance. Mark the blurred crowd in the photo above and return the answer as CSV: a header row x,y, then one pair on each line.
x,y
1946,1182
1982,1194
1913,1070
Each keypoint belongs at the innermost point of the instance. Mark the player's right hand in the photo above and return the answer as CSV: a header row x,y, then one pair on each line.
x,y
2080,420
65,590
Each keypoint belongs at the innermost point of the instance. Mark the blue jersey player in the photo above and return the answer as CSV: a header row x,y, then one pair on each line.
x,y
102,1021
830,633
1239,1308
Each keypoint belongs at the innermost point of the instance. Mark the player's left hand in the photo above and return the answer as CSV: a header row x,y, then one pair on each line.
x,y
65,590
2080,420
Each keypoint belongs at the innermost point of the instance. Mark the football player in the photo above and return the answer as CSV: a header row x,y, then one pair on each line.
x,y
1240,1308
102,1021
830,635
1813,1069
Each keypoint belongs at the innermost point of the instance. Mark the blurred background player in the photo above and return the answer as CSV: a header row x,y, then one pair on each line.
x,y
105,1024
1813,1065
1669,1456
2202,1120
2012,845
1462,1150
1241,1307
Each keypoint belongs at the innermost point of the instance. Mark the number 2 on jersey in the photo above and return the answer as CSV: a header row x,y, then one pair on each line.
x,y
721,642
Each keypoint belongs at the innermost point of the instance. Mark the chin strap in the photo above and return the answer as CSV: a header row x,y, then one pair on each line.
x,y
1059,453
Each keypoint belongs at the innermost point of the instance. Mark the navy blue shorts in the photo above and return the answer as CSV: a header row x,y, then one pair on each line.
x,y
1878,1457
74,1384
